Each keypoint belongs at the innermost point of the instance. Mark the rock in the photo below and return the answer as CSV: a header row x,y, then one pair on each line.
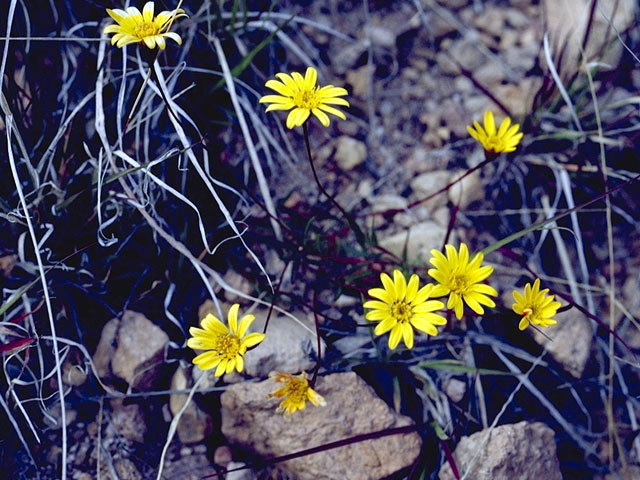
x,y
455,389
222,456
349,153
244,474
347,57
127,470
567,21
73,375
128,420
131,349
381,36
54,416
467,190
288,347
7,262
359,80
525,451
193,467
422,238
428,184
384,202
491,20
249,419
489,75
572,337
195,425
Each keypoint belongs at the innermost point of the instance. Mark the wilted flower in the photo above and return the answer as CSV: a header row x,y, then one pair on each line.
x,y
505,139
401,307
303,96
460,278
535,306
134,27
225,346
295,392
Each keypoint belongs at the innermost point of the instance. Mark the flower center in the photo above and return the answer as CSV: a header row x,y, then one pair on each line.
x,y
228,346
145,29
458,283
494,144
401,311
296,389
306,99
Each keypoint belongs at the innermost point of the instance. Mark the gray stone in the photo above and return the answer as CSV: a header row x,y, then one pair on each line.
x,y
422,238
567,20
131,349
572,337
289,346
195,424
349,153
128,420
428,184
467,190
526,451
249,419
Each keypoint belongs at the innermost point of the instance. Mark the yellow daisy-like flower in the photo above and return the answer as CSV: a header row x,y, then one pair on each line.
x,y
505,139
134,27
226,346
535,306
401,307
460,279
303,96
295,392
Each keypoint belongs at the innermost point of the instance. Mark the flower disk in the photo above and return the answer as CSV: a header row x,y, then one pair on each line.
x,y
401,307
460,278
505,139
225,346
295,392
535,306
301,95
134,27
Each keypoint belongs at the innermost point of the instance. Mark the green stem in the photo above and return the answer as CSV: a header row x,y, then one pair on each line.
x,y
352,223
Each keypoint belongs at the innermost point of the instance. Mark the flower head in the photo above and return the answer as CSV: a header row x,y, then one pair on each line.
x,y
225,346
505,139
295,392
401,307
134,27
460,278
303,96
535,306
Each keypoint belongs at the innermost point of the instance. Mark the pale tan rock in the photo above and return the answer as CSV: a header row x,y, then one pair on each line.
x,y
467,190
572,337
248,419
127,470
195,424
428,184
422,237
567,21
349,153
523,451
73,375
131,348
128,420
193,467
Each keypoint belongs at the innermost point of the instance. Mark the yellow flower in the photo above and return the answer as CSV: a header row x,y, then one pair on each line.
x,y
296,391
133,26
535,306
401,307
505,139
226,346
460,278
303,96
